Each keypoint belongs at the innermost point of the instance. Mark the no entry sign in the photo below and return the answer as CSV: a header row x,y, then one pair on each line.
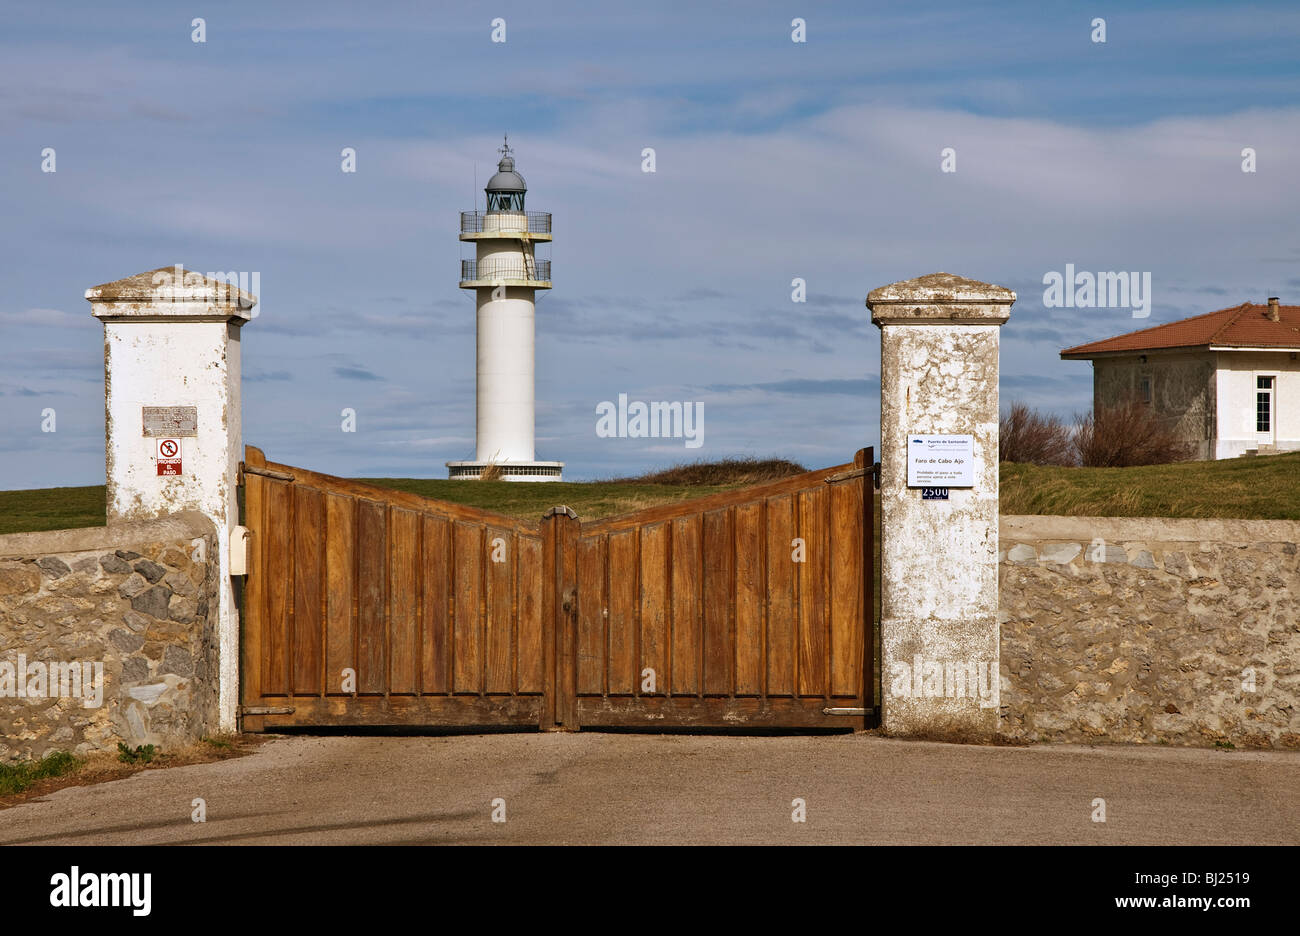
x,y
169,456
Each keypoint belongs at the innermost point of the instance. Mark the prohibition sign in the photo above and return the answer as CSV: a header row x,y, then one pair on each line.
x,y
169,457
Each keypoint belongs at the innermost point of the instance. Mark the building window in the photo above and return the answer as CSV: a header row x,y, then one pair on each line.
x,y
1263,404
1144,388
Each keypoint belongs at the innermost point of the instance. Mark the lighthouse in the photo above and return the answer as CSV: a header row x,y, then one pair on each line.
x,y
505,275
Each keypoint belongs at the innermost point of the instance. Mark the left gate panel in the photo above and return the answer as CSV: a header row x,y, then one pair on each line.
x,y
365,606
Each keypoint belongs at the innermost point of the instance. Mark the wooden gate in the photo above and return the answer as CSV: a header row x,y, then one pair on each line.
x,y
367,606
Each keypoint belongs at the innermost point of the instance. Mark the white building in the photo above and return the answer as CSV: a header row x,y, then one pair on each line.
x,y
505,276
1228,381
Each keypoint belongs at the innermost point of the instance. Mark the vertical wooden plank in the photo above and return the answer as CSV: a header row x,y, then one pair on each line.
x,y
812,592
340,589
686,606
531,654
780,596
279,572
253,619
592,616
403,600
551,588
624,575
717,610
434,643
372,580
499,614
307,534
846,587
655,606
749,599
566,622
467,670
866,459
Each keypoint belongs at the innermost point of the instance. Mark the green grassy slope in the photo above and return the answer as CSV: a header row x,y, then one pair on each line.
x,y
51,509
1262,488
525,499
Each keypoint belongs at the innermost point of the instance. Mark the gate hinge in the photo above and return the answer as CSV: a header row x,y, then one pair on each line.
x,y
268,473
845,475
266,710
844,711
875,474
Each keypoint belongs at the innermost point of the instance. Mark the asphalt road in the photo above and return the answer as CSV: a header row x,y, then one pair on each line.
x,y
593,788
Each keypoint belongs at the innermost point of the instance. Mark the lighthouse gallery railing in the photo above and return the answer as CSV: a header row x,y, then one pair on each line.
x,y
509,222
536,270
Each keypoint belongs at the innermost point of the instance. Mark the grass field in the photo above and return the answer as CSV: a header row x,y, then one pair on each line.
x,y
1266,488
51,509
590,500
1261,488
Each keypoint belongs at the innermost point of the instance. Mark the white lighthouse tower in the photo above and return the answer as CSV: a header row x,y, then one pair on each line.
x,y
505,276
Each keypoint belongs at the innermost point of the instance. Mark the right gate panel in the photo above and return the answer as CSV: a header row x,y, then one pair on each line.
x,y
746,609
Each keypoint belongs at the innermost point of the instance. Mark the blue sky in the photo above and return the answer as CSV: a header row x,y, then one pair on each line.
x,y
775,160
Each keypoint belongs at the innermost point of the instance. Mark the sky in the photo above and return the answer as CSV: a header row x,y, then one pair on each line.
x,y
774,160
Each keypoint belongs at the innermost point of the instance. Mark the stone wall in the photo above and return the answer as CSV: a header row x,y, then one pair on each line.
x,y
1144,630
113,631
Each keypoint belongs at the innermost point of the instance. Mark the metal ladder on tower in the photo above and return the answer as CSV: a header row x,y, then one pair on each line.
x,y
523,247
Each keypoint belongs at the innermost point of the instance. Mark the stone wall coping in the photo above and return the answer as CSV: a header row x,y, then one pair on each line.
x,y
1151,530
940,299
941,289
187,524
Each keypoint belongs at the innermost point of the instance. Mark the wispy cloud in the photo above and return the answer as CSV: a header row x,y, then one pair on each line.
x,y
806,387
355,373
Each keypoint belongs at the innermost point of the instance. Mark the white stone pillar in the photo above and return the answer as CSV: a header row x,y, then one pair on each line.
x,y
939,558
171,375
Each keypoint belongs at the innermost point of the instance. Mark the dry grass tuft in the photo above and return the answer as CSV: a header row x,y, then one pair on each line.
x,y
104,766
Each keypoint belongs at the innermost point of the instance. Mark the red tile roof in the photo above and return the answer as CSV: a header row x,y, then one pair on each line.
x,y
1243,326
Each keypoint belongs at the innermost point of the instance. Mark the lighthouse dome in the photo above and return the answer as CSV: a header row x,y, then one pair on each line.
x,y
506,179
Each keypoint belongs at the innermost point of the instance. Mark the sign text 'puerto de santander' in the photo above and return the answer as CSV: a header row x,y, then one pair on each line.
x,y
945,461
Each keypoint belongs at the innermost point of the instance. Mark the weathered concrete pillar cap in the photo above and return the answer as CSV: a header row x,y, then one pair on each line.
x,y
940,299
170,293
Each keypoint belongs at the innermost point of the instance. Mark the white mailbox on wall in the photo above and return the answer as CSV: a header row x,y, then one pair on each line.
x,y
239,551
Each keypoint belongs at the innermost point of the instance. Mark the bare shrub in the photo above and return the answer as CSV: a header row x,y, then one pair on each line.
x,y
1126,434
1032,438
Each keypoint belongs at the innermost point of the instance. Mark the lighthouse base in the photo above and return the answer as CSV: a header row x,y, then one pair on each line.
x,y
506,471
